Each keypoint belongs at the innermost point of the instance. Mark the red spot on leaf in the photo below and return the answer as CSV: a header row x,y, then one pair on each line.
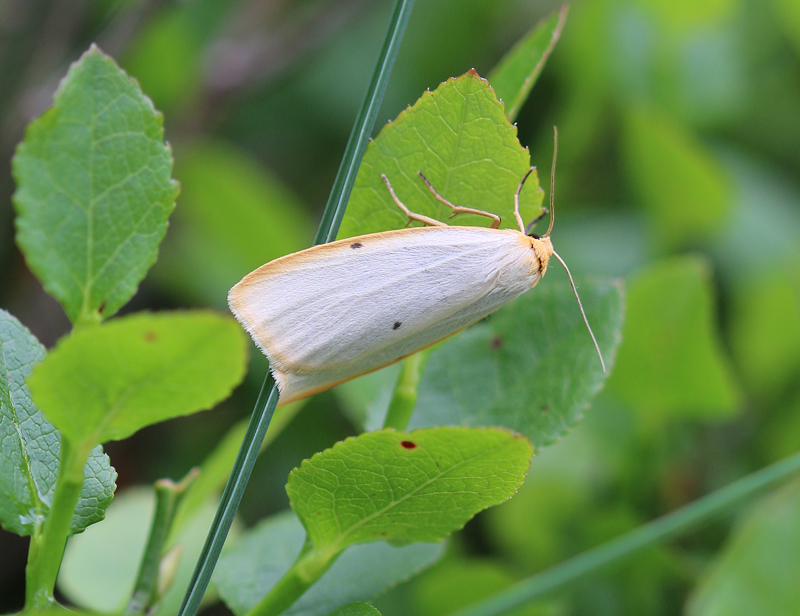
x,y
408,445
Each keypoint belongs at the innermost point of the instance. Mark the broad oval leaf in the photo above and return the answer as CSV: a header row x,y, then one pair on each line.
x,y
401,488
29,456
517,72
249,569
460,138
93,189
356,609
107,381
671,363
758,569
531,367
656,150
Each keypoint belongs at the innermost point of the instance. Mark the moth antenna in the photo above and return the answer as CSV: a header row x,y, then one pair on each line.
x,y
553,187
585,320
516,200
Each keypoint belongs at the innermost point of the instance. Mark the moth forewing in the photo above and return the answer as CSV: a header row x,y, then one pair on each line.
x,y
333,312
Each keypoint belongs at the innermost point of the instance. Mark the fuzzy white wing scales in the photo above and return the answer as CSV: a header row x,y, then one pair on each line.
x,y
339,310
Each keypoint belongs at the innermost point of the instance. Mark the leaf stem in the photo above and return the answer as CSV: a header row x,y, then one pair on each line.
x,y
168,498
47,548
307,569
666,527
404,397
328,228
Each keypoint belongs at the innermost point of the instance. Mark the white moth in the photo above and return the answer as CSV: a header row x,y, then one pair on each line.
x,y
336,311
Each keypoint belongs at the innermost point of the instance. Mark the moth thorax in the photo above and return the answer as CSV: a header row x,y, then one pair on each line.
x,y
543,248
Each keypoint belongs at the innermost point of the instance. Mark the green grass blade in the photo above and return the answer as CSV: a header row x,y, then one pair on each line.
x,y
666,527
362,129
268,397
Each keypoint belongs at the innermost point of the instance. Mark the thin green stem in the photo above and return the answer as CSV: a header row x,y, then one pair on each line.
x,y
328,228
168,498
307,569
47,549
671,525
405,392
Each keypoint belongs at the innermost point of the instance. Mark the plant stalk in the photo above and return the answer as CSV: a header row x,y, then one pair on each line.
x,y
307,569
666,527
404,397
47,548
168,498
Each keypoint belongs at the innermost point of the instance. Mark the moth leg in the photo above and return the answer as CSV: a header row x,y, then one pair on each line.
x,y
532,223
516,204
457,209
431,222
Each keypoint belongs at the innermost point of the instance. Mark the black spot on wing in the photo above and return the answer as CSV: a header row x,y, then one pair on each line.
x,y
355,245
396,325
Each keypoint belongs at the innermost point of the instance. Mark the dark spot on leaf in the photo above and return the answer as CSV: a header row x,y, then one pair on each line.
x,y
408,445
319,512
496,343
150,336
101,308
355,245
396,325
384,533
544,408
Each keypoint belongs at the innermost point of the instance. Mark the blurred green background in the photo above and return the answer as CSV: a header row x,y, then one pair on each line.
x,y
679,170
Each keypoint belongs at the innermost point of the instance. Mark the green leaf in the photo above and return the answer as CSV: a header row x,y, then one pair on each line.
x,y
531,367
460,138
758,569
99,568
29,456
356,609
765,328
517,72
455,583
788,13
93,189
234,216
671,362
106,382
249,569
680,182
399,487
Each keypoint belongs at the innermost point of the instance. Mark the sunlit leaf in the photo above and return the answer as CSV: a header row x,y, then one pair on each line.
x,y
106,382
93,189
29,456
419,486
460,138
356,609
